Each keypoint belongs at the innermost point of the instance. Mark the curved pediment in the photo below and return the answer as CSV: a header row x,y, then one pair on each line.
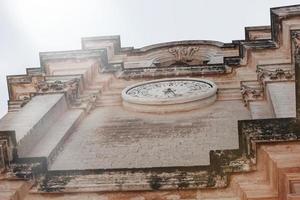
x,y
168,54
180,43
179,56
181,53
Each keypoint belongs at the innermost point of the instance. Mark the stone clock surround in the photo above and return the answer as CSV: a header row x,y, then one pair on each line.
x,y
175,94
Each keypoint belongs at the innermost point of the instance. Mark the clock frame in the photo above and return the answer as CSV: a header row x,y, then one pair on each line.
x,y
169,95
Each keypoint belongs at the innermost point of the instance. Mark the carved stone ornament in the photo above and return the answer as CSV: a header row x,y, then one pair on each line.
x,y
4,157
296,39
184,54
70,87
169,95
251,93
264,74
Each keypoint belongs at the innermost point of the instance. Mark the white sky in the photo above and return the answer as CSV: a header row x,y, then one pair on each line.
x,y
30,26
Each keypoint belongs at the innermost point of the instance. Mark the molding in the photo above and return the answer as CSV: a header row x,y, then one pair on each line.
x,y
114,38
174,71
183,43
99,54
281,13
261,29
216,175
277,15
39,84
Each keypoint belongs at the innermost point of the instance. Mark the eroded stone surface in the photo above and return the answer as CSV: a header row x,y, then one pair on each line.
x,y
31,122
110,137
282,97
115,138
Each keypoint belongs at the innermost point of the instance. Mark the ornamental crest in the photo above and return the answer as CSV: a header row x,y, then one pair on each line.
x,y
184,54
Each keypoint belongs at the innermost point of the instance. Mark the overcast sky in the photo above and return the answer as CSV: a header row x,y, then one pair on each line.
x,y
30,26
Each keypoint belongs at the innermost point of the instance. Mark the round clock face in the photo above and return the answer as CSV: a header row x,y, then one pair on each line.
x,y
169,91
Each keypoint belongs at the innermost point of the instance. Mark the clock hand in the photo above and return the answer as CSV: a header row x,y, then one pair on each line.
x,y
168,91
173,92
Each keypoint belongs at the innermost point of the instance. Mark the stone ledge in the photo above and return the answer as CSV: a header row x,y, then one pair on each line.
x,y
223,163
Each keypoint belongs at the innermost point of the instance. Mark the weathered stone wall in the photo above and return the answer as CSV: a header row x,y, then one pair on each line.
x,y
111,137
96,132
34,119
282,98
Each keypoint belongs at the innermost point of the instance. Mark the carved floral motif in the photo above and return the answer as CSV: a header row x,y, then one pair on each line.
x,y
296,39
264,73
70,87
184,54
251,92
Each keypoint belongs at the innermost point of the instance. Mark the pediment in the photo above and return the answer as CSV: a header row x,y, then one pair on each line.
x,y
182,53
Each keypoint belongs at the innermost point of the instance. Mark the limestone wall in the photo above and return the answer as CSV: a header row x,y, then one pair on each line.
x,y
282,98
34,119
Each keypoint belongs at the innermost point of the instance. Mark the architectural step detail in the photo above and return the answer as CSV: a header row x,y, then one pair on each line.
x,y
54,138
261,110
224,94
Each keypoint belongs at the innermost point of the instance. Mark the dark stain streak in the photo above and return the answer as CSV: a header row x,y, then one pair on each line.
x,y
155,182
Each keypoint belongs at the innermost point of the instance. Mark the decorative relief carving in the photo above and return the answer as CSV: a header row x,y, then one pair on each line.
x,y
251,91
73,89
184,54
42,86
21,92
274,73
70,87
296,39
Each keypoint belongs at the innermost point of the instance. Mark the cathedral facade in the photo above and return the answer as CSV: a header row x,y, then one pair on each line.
x,y
183,120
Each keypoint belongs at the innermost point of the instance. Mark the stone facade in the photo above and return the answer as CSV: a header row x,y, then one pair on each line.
x,y
68,133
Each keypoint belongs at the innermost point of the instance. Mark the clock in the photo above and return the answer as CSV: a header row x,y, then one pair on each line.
x,y
169,95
